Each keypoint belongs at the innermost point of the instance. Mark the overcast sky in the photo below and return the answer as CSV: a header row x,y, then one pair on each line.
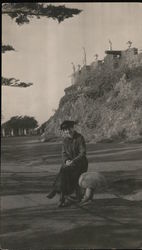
x,y
45,50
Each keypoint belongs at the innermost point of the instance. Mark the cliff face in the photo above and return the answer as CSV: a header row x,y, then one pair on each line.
x,y
106,102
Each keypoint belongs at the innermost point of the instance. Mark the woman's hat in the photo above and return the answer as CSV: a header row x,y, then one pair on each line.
x,y
67,124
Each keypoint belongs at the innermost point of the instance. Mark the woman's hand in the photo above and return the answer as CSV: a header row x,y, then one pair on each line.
x,y
68,162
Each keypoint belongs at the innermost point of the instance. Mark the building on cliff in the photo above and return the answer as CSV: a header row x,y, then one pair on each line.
x,y
116,58
113,60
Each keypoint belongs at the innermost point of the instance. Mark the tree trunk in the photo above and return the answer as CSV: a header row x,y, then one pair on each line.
x,y
19,131
25,131
12,132
3,132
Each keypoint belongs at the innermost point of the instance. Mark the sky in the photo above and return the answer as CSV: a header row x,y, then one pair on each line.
x,y
45,50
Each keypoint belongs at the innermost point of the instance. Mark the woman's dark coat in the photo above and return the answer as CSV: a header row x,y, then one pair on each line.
x,y
73,149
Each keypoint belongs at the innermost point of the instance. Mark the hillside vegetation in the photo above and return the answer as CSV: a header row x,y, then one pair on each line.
x,y
106,103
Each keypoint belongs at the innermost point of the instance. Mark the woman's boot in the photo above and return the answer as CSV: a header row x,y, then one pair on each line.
x,y
51,194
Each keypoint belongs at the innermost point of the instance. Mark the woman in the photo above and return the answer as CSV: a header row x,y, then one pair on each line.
x,y
74,162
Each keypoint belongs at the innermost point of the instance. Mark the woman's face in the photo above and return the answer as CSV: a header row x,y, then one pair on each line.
x,y
68,132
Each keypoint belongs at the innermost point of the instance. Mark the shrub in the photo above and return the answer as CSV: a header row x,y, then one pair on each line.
x,y
134,72
121,134
92,120
140,131
137,103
